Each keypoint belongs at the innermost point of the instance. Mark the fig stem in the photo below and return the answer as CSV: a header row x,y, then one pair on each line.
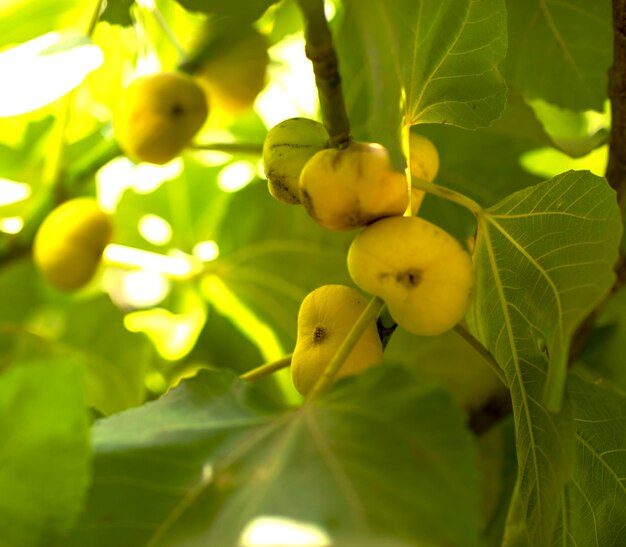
x,y
254,149
386,326
368,315
267,369
154,10
450,195
320,51
482,350
95,18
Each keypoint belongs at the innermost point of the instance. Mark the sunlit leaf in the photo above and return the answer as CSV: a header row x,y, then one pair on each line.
x,y
210,458
444,55
560,51
544,258
44,451
593,503
44,69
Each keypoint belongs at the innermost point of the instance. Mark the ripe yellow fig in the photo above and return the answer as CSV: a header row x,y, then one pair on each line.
x,y
424,164
235,75
326,316
423,157
287,147
348,188
158,115
421,272
69,243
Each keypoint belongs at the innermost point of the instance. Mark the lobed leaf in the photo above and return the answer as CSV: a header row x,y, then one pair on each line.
x,y
544,258
560,51
593,503
214,458
442,56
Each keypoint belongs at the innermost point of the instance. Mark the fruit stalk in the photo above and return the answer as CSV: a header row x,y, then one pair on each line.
x,y
370,313
448,194
266,369
320,51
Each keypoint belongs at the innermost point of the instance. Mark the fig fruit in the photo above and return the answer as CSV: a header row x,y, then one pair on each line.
x,y
287,147
236,73
158,115
420,271
68,245
343,189
325,318
424,165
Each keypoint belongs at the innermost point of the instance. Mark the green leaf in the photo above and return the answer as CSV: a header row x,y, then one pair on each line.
x,y
444,55
605,351
41,15
593,505
117,12
544,258
201,465
560,51
116,359
44,452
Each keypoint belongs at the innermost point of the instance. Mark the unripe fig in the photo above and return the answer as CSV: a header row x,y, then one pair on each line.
x,y
343,189
421,272
158,115
69,243
237,72
325,318
287,147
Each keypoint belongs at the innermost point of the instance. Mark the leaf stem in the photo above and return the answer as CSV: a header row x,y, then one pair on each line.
x,y
320,51
368,315
554,386
267,369
450,195
482,350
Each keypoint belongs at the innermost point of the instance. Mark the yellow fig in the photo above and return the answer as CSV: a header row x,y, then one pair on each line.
x,y
158,115
325,318
287,147
424,165
236,73
420,271
343,189
68,245
423,157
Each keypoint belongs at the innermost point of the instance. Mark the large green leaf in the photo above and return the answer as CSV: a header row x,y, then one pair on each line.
x,y
443,54
593,507
202,464
544,258
44,452
560,51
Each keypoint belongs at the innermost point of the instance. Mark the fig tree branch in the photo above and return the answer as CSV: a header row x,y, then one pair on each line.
x,y
320,51
616,169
